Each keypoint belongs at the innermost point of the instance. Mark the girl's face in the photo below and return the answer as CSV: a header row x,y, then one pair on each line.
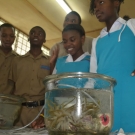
x,y
73,42
105,10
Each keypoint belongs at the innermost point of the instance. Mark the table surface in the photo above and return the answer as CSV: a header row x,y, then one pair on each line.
x,y
30,131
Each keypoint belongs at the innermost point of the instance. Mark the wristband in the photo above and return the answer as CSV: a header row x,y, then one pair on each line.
x,y
42,115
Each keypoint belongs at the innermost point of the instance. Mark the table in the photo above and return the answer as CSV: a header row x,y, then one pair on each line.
x,y
30,131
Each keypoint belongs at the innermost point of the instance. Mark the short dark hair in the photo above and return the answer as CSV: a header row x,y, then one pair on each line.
x,y
126,17
40,28
75,13
76,27
91,10
7,25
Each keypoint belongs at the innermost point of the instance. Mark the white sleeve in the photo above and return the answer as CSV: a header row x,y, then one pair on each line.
x,y
54,71
131,24
93,60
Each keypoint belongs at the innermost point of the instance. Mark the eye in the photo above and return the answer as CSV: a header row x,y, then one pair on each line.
x,y
72,39
73,21
3,35
66,20
32,33
12,36
40,34
101,2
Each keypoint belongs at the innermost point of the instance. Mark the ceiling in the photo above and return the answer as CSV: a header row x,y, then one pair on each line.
x,y
25,14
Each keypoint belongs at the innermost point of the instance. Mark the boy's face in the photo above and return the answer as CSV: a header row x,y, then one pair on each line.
x,y
7,36
73,42
36,37
70,19
105,10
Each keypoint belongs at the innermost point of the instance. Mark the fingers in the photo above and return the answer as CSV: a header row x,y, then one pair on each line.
x,y
39,123
133,73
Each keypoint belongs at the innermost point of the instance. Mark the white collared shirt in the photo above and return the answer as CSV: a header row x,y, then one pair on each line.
x,y
116,26
70,59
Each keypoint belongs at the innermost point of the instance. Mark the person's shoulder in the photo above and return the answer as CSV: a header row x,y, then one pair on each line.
x,y
131,24
14,53
88,38
21,57
45,56
57,44
96,38
61,60
87,55
63,57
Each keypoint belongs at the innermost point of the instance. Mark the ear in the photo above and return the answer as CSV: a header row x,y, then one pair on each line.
x,y
14,37
0,35
83,39
44,41
117,4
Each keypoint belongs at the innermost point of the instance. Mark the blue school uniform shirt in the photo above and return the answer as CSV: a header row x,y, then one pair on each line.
x,y
113,54
66,64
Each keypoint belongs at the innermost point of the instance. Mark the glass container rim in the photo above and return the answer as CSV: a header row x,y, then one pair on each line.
x,y
55,77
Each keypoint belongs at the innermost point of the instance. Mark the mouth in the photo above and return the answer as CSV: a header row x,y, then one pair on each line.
x,y
8,44
98,15
69,50
35,39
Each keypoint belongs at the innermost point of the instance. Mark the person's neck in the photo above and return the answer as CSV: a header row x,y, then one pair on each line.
x,y
35,51
76,56
6,51
110,22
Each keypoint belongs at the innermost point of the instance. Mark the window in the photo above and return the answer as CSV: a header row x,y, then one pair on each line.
x,y
21,44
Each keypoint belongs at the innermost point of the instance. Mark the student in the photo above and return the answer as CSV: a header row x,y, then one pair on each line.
x,y
113,54
77,60
73,36
7,37
28,72
72,18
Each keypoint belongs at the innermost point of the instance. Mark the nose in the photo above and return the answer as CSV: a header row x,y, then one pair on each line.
x,y
67,44
36,34
8,38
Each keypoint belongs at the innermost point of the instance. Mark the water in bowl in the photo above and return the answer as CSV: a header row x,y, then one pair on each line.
x,y
79,111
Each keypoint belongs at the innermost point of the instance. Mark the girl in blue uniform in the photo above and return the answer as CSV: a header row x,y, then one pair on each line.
x,y
113,54
73,36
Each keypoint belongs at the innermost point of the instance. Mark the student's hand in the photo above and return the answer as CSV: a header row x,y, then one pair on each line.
x,y
133,73
38,123
53,58
54,55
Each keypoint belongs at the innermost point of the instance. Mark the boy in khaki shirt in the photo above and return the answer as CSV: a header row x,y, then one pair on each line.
x,y
7,37
28,72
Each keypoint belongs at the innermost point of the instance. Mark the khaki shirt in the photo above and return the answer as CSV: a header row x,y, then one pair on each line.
x,y
6,86
28,73
62,52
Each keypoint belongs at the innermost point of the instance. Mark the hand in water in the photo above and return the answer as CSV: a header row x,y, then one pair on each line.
x,y
39,123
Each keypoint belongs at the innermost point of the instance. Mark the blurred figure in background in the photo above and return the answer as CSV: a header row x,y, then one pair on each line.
x,y
7,37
